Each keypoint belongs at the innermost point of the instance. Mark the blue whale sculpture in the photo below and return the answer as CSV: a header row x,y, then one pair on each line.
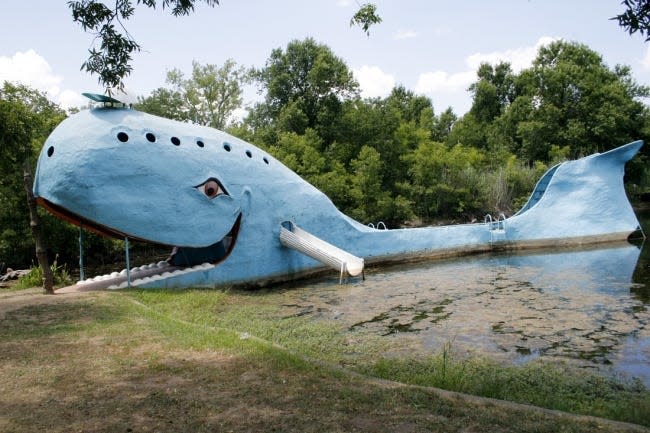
x,y
238,216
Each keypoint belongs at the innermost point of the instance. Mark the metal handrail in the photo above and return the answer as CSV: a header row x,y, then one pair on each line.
x,y
380,226
502,221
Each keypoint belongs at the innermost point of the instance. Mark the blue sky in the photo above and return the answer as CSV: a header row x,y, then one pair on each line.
x,y
431,47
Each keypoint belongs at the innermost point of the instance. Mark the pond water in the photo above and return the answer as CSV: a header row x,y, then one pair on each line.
x,y
590,306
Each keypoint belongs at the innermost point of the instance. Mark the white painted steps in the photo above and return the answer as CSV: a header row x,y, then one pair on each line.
x,y
139,275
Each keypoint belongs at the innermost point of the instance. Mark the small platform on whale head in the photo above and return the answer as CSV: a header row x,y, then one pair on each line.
x,y
107,100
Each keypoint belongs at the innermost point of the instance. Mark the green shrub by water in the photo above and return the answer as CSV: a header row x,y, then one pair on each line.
x,y
554,386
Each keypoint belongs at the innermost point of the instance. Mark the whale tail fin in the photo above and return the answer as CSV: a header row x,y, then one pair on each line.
x,y
584,198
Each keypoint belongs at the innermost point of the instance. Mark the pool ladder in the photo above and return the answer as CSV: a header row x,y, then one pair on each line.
x,y
497,228
380,226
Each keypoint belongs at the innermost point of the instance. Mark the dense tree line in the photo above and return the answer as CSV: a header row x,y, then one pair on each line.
x,y
27,117
392,159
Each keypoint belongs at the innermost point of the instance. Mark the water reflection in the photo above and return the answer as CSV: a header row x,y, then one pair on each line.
x,y
588,307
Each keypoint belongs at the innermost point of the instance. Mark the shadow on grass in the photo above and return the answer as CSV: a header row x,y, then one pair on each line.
x,y
49,319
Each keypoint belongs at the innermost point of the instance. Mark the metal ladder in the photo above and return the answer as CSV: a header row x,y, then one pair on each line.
x,y
380,226
496,227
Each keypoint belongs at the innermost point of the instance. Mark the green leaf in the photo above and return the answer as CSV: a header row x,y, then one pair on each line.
x,y
365,17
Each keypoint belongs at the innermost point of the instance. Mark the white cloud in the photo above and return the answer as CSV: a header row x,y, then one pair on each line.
x,y
439,83
519,58
238,115
31,69
70,98
373,81
344,3
405,34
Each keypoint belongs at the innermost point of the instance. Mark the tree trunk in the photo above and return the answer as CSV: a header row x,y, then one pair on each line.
x,y
35,225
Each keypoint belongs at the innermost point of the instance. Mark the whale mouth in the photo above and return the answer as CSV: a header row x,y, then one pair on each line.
x,y
148,273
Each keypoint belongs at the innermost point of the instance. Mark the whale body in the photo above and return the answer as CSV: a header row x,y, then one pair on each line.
x,y
123,173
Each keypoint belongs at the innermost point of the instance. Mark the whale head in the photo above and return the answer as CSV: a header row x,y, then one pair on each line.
x,y
121,172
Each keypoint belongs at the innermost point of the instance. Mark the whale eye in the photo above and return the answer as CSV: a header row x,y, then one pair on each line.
x,y
211,188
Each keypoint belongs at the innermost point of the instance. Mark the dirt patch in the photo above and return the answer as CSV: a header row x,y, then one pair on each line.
x,y
13,300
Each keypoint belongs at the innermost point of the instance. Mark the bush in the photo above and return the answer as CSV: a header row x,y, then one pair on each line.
x,y
34,278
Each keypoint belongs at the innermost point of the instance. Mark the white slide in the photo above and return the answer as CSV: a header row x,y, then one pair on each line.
x,y
294,237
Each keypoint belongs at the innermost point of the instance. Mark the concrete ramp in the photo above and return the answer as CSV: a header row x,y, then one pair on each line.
x,y
294,237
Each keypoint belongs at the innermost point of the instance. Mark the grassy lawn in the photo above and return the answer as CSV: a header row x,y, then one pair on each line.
x,y
213,360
